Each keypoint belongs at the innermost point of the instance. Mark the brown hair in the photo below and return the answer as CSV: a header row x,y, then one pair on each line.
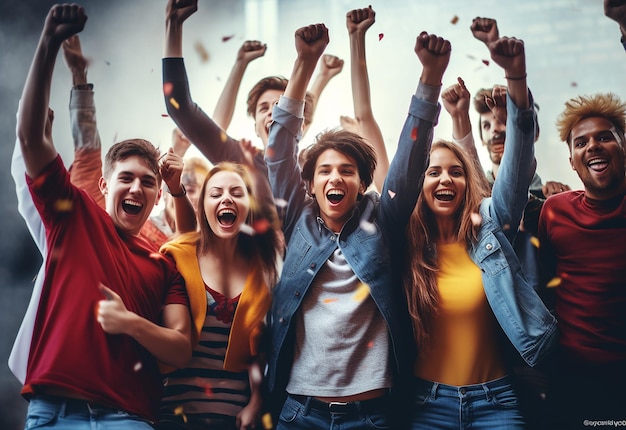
x,y
347,143
263,246
277,83
129,148
421,265
604,105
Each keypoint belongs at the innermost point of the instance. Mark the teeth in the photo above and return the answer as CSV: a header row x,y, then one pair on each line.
x,y
335,193
227,212
445,193
132,203
596,161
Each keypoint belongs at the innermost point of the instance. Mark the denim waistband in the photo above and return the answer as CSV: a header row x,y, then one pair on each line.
x,y
341,408
68,406
489,388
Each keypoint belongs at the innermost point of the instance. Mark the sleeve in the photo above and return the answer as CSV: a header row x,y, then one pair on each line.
x,y
405,177
547,257
281,158
517,168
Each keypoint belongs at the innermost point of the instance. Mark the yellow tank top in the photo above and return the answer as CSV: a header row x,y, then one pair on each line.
x,y
463,348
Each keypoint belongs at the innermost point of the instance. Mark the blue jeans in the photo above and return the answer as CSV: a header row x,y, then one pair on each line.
x,y
46,412
490,405
301,412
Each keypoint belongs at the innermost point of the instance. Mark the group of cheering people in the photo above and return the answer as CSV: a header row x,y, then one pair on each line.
x,y
328,288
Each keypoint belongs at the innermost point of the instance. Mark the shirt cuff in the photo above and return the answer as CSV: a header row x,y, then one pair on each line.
x,y
427,92
292,106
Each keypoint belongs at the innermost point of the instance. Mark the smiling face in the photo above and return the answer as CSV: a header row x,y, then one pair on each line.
x,y
598,158
444,184
493,136
131,192
226,203
336,186
263,113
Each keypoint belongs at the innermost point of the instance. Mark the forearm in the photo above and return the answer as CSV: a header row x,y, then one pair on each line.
x,y
300,77
173,38
223,113
168,345
185,215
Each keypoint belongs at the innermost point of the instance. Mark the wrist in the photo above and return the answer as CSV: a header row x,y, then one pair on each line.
x,y
181,192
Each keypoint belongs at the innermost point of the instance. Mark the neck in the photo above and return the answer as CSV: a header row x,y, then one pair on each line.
x,y
447,230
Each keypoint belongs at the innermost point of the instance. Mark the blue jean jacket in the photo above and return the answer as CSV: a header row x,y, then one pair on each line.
x,y
522,315
376,223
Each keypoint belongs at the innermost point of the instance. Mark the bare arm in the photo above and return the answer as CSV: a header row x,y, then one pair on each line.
x,y
330,66
358,22
310,44
508,53
249,51
616,10
171,166
62,22
169,343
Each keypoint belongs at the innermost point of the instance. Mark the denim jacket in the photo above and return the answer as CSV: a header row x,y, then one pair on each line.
x,y
522,315
376,223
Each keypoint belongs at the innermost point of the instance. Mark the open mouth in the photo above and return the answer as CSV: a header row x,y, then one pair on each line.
x,y
598,164
335,196
131,206
445,195
226,217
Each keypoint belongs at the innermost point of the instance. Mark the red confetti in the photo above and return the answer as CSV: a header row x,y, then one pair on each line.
x,y
227,38
261,226
164,115
414,133
486,62
455,19
167,88
574,84
380,36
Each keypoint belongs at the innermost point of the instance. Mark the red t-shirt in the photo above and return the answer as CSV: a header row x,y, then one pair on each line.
x,y
70,350
584,240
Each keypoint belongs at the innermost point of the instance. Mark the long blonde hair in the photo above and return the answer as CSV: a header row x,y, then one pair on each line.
x,y
421,264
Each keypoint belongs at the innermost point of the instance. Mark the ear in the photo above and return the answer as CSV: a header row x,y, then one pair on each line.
x,y
310,186
571,164
104,188
158,197
362,188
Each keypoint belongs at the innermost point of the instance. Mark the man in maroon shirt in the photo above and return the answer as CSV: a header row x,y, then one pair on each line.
x,y
110,306
583,250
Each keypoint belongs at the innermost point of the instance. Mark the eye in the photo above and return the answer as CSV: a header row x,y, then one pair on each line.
x,y
433,173
606,137
579,143
457,173
148,183
125,179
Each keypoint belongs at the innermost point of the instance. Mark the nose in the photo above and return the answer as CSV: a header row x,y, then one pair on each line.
x,y
135,186
445,178
335,177
593,144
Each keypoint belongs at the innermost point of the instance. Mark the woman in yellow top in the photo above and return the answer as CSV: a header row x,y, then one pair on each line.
x,y
468,297
229,266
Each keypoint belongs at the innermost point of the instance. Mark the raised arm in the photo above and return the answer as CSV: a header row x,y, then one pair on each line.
x,y
171,167
38,150
616,10
485,30
86,168
358,22
310,44
249,51
330,66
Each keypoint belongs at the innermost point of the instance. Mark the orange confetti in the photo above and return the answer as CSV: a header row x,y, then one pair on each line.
x,y
223,136
535,242
227,38
63,205
174,103
506,227
554,282
267,421
454,20
327,301
202,52
361,293
179,411
486,62
380,36
414,133
167,88
392,194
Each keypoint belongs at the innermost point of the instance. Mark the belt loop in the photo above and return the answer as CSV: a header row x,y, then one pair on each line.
x,y
307,406
433,390
62,405
487,391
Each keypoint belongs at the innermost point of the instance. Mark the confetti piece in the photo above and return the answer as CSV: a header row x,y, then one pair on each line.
x,y
155,255
179,411
477,220
208,391
574,84
414,133
137,366
370,344
471,57
227,38
327,301
454,19
486,62
267,421
361,293
164,115
202,52
107,63
392,194
223,136
380,36
506,227
368,227
261,226
269,152
174,103
246,229
167,88
63,205
281,203
554,282
534,241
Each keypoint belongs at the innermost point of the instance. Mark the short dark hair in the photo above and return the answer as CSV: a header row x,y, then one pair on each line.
x,y
277,83
129,148
347,143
